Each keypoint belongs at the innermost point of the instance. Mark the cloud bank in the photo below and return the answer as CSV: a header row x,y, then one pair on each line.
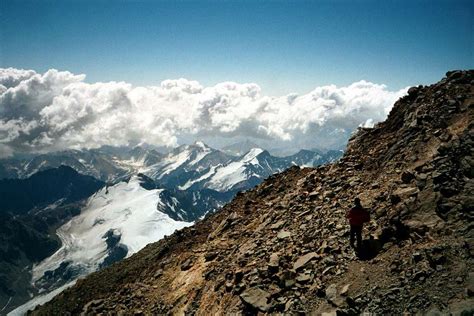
x,y
58,110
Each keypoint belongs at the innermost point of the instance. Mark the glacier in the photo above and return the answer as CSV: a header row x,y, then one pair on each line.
x,y
127,210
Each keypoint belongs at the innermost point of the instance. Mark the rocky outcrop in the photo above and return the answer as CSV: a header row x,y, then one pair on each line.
x,y
283,246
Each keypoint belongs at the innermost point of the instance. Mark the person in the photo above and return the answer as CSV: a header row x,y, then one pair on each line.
x,y
357,216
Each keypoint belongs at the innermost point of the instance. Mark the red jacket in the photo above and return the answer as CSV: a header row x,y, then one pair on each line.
x,y
358,216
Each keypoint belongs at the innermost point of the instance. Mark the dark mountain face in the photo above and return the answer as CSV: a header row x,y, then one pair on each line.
x,y
19,196
192,205
283,246
30,211
21,244
26,239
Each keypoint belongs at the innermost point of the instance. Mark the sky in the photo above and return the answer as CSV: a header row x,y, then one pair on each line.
x,y
283,74
284,46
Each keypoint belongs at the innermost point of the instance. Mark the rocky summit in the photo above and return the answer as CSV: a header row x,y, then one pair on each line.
x,y
283,247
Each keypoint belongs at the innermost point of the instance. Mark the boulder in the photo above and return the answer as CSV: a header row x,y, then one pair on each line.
x,y
412,91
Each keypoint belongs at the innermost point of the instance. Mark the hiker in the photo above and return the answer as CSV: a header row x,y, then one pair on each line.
x,y
357,216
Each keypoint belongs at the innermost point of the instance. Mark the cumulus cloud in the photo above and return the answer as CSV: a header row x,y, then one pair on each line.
x,y
58,110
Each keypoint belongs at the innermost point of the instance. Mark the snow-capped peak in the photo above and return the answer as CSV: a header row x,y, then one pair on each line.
x,y
254,152
201,144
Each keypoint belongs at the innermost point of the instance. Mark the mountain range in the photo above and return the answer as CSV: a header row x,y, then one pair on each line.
x,y
186,162
86,209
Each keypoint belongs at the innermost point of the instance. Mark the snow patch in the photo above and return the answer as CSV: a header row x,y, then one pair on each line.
x,y
205,176
228,176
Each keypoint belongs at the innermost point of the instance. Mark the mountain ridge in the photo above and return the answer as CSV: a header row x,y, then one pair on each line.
x,y
112,164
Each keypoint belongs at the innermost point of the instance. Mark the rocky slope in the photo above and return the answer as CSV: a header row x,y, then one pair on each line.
x,y
283,246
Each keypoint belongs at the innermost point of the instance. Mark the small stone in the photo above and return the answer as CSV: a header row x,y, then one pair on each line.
x,y
257,298
278,225
289,283
417,256
283,234
303,278
158,273
344,289
332,297
287,278
407,177
303,260
187,264
404,193
325,271
210,256
238,276
313,195
329,194
274,262
422,176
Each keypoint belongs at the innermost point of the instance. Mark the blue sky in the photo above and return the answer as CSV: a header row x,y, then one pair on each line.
x,y
284,46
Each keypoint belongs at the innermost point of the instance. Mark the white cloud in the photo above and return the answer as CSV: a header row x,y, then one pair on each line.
x,y
11,77
58,110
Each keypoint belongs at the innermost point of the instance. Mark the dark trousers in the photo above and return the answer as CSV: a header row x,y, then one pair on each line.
x,y
356,233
